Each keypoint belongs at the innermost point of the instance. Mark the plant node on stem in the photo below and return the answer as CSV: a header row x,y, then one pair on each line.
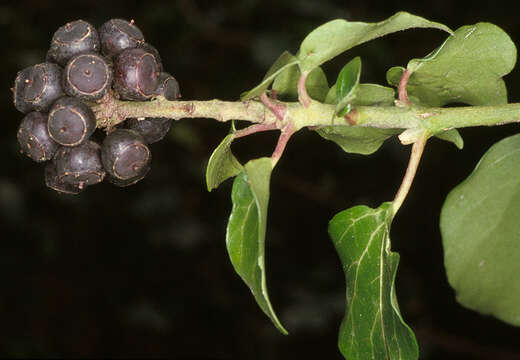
x,y
279,110
413,164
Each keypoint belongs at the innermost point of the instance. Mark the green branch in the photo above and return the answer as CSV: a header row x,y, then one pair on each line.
x,y
112,111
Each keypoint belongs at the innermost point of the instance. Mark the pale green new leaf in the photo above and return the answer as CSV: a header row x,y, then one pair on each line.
x,y
467,68
366,95
284,61
337,36
222,164
373,327
346,85
245,236
481,234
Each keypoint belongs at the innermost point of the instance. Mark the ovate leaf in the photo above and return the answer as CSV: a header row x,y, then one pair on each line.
x,y
337,36
372,327
286,84
355,139
222,164
346,85
285,61
467,68
481,234
245,237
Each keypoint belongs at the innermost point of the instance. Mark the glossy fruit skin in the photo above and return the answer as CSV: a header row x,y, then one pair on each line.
x,y
55,182
87,76
168,87
151,49
136,74
34,138
71,122
125,155
73,38
37,87
151,129
117,35
79,165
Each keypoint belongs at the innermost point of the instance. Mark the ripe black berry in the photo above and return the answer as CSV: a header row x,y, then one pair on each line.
x,y
34,138
125,155
151,129
136,74
79,165
37,87
72,38
53,181
117,35
168,87
87,76
71,122
151,49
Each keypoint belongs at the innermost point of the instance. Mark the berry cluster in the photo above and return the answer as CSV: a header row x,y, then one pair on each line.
x,y
82,65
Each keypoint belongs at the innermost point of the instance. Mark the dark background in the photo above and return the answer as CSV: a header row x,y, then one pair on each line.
x,y
143,271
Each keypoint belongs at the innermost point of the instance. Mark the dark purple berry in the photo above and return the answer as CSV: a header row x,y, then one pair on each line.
x,y
53,181
34,138
87,76
168,87
37,87
128,182
151,49
151,129
117,35
79,165
71,39
136,74
125,155
71,122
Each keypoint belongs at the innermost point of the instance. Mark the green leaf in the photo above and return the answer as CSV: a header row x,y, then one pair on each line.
x,y
337,36
467,68
480,234
346,85
286,84
284,61
452,136
356,139
366,95
222,164
245,237
372,327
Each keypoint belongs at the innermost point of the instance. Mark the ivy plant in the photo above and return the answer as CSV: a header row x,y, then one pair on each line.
x,y
478,220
